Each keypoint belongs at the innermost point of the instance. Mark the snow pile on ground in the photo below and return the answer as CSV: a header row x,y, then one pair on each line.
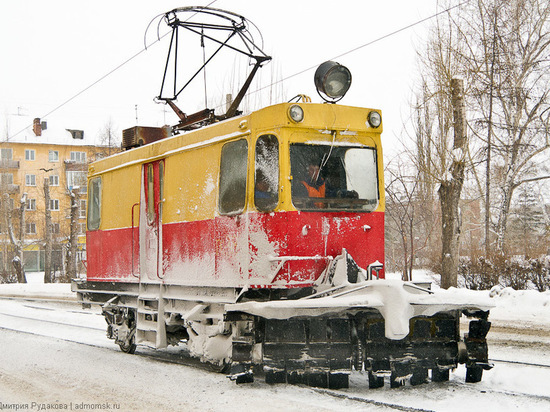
x,y
525,308
36,288
520,305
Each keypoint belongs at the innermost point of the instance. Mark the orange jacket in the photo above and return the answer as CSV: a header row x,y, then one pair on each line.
x,y
312,192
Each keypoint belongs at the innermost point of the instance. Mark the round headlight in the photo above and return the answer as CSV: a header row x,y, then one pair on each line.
x,y
332,81
296,113
374,119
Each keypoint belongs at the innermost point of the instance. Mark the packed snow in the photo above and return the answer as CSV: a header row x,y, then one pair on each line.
x,y
54,367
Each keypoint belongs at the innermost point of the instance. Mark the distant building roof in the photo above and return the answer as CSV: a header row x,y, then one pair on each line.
x,y
26,129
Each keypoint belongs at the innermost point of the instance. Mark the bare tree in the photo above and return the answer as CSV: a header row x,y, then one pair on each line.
x,y
109,140
504,48
19,244
450,190
72,244
500,48
47,233
408,216
440,156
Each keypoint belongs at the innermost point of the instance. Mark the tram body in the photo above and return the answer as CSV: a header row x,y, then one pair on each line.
x,y
163,214
214,237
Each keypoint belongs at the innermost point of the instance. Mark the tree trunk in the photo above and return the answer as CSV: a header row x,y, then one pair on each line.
x,y
450,190
73,237
18,244
48,234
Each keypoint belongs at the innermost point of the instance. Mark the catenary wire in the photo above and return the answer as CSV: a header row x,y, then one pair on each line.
x,y
59,106
393,33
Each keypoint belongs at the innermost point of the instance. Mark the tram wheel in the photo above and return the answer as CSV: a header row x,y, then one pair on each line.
x,y
474,374
128,347
375,382
440,375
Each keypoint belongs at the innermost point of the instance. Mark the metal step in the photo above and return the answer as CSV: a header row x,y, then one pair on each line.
x,y
151,326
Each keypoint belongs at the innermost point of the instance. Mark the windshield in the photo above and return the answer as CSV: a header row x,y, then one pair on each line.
x,y
334,177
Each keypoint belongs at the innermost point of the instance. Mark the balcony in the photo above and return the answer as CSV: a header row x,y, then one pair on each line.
x,y
9,164
74,166
11,188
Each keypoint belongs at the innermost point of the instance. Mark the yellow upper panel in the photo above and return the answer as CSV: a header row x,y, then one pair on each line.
x,y
192,160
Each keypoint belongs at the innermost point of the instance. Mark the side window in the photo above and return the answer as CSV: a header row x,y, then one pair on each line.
x,y
94,204
150,194
266,176
233,167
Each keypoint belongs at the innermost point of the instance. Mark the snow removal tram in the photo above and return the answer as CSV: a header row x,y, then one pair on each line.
x,y
258,241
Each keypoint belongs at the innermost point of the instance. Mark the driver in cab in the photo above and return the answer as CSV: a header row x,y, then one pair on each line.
x,y
314,184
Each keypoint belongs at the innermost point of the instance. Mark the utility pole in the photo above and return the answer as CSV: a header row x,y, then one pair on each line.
x,y
450,190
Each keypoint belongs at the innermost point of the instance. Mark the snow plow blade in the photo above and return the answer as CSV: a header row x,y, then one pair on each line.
x,y
385,327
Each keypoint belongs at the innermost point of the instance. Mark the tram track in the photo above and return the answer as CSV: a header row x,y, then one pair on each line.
x,y
47,321
360,399
163,357
39,299
511,362
184,359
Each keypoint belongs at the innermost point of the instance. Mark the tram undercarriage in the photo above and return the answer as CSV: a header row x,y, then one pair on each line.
x,y
315,341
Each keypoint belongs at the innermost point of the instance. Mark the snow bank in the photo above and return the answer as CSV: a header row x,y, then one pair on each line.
x,y
524,308
521,305
35,287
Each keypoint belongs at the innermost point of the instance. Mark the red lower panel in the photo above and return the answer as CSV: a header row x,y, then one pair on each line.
x,y
254,250
300,234
109,255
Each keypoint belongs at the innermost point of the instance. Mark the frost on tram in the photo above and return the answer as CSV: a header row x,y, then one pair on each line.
x,y
258,242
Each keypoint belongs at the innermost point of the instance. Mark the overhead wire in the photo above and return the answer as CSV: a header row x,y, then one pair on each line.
x,y
135,55
370,43
160,37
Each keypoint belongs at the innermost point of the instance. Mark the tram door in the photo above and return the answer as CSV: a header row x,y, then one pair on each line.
x,y
152,195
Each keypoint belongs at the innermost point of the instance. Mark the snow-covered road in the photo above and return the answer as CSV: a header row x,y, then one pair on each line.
x,y
62,358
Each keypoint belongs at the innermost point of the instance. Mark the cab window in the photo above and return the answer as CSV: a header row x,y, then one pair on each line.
x,y
233,168
332,177
94,203
266,176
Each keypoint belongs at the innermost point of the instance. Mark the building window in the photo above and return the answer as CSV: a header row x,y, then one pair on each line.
x,y
31,228
29,154
78,157
6,154
30,180
76,179
53,156
55,228
54,180
31,204
6,178
82,209
76,134
82,228
54,204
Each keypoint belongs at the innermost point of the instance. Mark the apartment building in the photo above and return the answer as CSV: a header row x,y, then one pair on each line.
x,y
40,152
